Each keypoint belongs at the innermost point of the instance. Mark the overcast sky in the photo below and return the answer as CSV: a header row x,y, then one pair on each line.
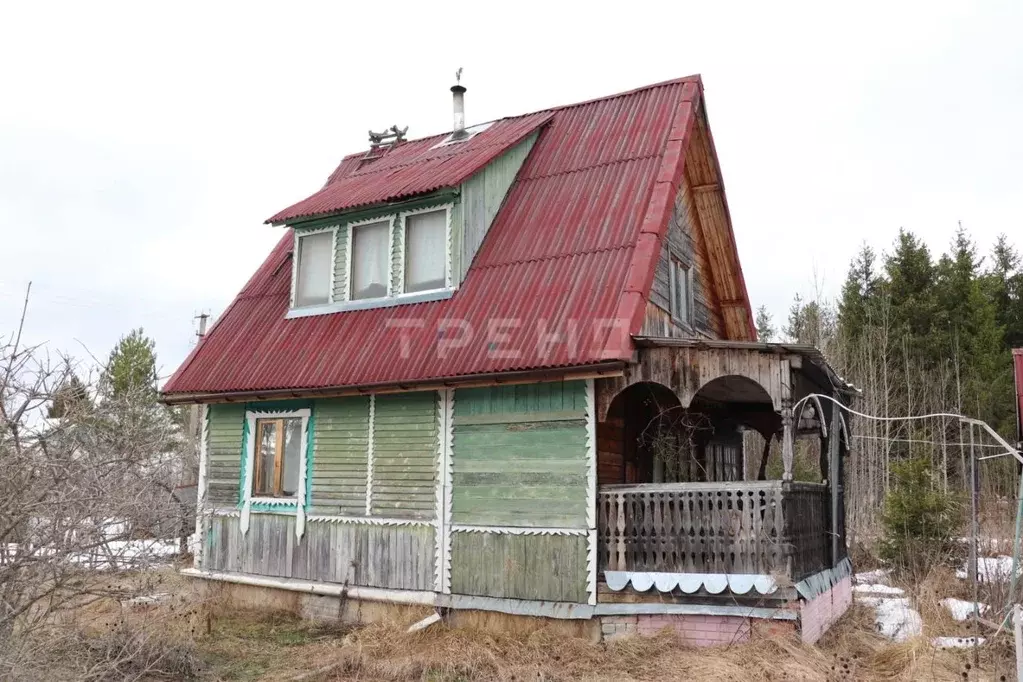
x,y
142,145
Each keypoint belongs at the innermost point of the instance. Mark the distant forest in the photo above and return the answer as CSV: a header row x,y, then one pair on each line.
x,y
919,334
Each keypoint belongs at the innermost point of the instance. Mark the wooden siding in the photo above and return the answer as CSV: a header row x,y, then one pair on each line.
x,y
519,455
610,451
705,191
405,455
482,196
224,454
683,241
542,567
340,451
397,557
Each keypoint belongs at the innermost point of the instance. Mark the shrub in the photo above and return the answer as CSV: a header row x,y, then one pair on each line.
x,y
919,519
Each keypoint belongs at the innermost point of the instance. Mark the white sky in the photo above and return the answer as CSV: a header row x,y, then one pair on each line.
x,y
143,144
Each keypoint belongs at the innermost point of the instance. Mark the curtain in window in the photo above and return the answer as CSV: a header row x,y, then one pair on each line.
x,y
314,267
292,455
370,260
426,251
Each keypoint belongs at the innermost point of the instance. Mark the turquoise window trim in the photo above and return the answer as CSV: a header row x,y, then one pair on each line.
x,y
279,406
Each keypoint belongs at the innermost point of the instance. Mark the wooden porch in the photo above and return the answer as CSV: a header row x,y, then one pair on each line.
x,y
778,528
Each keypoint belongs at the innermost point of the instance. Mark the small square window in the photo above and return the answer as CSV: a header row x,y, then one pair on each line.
x,y
426,251
681,292
313,269
371,260
277,457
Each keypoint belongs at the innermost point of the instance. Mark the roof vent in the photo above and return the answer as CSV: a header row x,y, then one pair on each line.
x,y
458,99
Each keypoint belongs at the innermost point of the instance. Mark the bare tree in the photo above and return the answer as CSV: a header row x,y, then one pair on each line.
x,y
84,497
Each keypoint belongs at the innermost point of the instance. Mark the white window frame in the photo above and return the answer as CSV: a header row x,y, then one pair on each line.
x,y
350,264
299,234
342,300
403,230
285,503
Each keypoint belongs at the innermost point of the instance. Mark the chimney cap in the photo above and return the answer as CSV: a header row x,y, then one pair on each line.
x,y
458,89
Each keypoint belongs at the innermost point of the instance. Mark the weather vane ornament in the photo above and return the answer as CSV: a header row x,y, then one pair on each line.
x,y
458,76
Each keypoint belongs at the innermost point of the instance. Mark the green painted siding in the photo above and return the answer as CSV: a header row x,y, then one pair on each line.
x,y
519,455
224,453
482,196
340,454
405,443
544,567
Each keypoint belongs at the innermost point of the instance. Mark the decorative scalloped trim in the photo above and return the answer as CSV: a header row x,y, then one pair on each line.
x,y
369,520
714,583
438,487
517,530
369,455
591,491
228,513
448,435
817,584
273,501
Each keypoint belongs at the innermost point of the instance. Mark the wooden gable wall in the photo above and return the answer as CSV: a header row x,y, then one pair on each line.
x,y
700,235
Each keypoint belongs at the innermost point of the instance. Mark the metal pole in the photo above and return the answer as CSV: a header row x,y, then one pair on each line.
x,y
1017,618
974,550
1015,546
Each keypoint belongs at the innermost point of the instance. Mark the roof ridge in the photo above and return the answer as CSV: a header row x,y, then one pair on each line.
x,y
694,78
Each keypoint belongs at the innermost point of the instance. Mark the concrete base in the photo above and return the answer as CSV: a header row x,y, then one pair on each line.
x,y
323,608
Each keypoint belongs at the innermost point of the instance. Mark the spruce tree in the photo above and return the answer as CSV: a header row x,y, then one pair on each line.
x,y
131,368
765,325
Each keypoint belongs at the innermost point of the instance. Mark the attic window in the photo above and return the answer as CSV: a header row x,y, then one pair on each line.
x,y
370,259
313,268
681,292
426,251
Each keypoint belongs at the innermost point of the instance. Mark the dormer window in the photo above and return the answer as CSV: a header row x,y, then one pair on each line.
x,y
379,261
426,250
313,268
371,263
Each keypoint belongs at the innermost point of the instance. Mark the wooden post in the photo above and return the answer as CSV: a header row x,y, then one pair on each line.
x,y
787,447
835,479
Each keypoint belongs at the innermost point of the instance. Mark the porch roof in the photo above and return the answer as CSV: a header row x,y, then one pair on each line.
x,y
810,353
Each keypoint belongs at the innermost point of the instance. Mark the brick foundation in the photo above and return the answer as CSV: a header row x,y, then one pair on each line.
x,y
821,612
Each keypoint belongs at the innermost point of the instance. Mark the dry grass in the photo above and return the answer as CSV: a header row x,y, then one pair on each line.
x,y
196,636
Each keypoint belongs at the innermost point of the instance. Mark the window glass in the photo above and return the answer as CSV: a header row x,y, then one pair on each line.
x,y
426,251
312,282
292,456
266,453
370,260
680,291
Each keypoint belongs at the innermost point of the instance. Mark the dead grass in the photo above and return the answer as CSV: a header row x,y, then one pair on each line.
x,y
197,636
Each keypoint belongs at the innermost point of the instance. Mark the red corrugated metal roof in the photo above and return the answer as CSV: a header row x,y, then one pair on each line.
x,y
560,280
410,168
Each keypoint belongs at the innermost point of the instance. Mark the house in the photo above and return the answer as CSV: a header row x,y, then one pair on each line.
x,y
509,369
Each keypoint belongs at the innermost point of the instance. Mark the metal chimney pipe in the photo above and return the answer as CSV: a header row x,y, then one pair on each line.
x,y
458,98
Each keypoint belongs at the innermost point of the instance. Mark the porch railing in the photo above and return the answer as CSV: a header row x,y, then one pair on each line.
x,y
764,527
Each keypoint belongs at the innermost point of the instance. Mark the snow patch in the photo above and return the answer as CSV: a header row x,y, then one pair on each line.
x,y
878,575
896,620
878,589
960,609
955,642
989,569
